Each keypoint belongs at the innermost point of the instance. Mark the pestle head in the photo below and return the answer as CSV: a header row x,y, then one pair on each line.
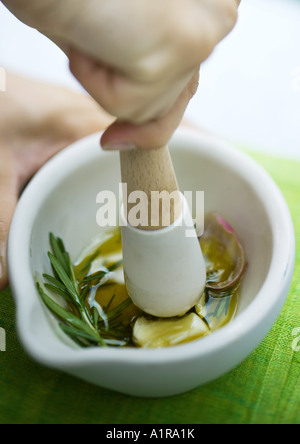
x,y
164,270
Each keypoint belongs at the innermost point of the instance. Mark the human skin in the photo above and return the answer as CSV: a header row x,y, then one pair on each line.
x,y
37,121
138,58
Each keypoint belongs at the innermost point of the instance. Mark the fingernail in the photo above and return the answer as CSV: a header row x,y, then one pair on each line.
x,y
119,146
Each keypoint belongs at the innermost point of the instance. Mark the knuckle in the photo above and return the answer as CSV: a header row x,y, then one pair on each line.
x,y
193,86
231,13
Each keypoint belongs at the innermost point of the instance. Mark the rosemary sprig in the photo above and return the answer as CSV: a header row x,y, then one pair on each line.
x,y
85,326
69,317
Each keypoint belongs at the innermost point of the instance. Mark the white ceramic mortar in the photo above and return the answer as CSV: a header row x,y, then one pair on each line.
x,y
62,199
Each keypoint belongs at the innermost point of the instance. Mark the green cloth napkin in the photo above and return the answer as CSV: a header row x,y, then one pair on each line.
x,y
263,389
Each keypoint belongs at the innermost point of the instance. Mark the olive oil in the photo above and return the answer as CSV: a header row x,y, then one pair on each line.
x,y
216,307
113,291
92,305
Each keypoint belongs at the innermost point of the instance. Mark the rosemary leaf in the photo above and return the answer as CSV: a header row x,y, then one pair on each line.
x,y
58,249
68,317
71,272
117,311
54,282
78,333
86,325
87,266
83,343
58,291
109,303
115,266
95,317
84,292
63,276
93,277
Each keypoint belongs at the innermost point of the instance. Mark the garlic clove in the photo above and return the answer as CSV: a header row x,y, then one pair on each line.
x,y
154,333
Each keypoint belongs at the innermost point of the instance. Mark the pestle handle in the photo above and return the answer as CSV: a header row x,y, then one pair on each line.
x,y
151,171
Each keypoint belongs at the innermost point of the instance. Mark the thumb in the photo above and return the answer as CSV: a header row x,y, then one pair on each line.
x,y
8,202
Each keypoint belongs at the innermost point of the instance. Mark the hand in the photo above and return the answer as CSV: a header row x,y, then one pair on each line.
x,y
137,58
146,62
36,122
151,135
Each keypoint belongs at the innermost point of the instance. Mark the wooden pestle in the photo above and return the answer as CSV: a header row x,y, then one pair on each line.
x,y
163,267
151,171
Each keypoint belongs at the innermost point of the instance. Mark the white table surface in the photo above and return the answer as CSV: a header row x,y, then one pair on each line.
x,y
250,87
